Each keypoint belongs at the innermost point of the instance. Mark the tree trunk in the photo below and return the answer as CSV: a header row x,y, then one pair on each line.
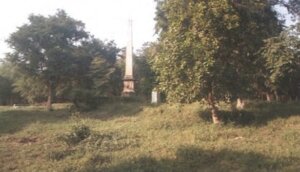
x,y
214,110
10,100
50,97
240,104
277,96
269,97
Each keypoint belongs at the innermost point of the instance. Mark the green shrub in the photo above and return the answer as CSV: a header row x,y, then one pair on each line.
x,y
109,142
83,100
76,135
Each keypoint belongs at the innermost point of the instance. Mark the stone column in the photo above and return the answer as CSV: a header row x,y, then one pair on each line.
x,y
128,80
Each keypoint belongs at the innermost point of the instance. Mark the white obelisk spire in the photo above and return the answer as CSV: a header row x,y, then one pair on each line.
x,y
129,49
128,80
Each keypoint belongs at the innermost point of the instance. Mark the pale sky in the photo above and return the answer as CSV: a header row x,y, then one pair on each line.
x,y
106,19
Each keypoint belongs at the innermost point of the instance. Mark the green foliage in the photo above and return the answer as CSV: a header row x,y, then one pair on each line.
x,y
98,74
6,90
76,135
30,88
101,72
22,85
144,75
7,94
44,48
83,100
54,56
205,46
282,61
99,69
116,79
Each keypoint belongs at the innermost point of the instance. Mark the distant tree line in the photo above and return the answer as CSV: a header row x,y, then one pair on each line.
x,y
54,59
206,50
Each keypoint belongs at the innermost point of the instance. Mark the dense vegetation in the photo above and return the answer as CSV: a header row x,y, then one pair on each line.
x,y
223,50
54,59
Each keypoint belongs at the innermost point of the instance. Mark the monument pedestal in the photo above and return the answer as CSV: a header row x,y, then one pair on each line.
x,y
128,88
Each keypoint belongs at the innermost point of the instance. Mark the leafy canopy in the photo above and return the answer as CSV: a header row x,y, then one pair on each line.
x,y
205,46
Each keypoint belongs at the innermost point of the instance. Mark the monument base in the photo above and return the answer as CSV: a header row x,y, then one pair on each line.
x,y
128,94
128,89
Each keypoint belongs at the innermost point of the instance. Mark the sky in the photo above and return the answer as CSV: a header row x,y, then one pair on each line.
x,y
105,19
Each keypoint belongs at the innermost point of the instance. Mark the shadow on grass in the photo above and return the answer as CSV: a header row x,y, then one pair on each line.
x,y
114,110
241,118
15,120
256,114
193,159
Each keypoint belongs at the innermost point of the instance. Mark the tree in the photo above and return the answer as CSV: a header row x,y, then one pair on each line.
x,y
97,73
104,69
282,60
206,46
97,67
30,88
43,49
144,75
5,90
7,93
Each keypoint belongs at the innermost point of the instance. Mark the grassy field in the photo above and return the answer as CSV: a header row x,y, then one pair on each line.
x,y
145,138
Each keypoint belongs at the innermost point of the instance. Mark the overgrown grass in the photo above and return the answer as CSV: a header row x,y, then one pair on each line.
x,y
140,137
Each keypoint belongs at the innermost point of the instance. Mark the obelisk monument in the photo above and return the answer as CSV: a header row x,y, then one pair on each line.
x,y
128,80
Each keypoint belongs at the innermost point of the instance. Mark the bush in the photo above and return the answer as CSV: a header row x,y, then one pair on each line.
x,y
76,135
83,100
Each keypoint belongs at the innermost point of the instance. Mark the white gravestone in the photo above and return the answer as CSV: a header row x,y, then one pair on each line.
x,y
155,97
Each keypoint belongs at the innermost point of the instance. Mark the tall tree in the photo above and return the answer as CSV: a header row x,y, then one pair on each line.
x,y
97,75
98,66
281,57
43,49
207,48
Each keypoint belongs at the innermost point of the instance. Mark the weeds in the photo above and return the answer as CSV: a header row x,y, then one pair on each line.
x,y
163,138
59,155
76,135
